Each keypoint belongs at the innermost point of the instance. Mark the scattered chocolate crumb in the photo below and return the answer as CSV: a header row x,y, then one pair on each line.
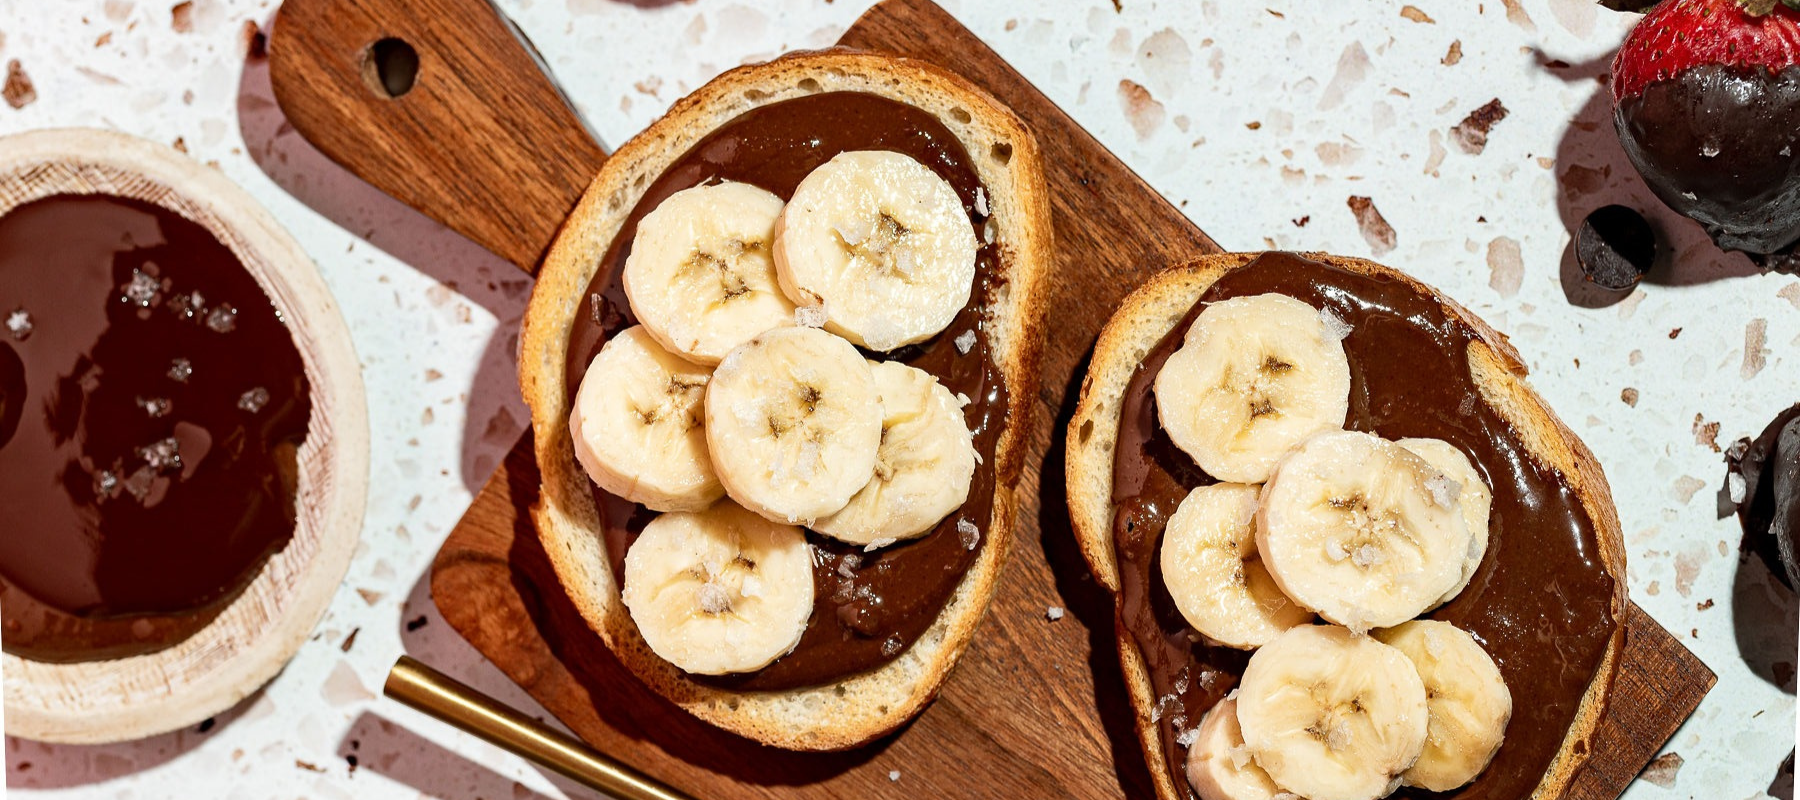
x,y
181,17
1375,229
415,624
1630,396
350,641
19,91
309,766
1662,770
1454,55
207,724
1704,605
1117,8
180,143
1255,126
1301,222
1471,135
351,760
1706,433
1694,633
1674,333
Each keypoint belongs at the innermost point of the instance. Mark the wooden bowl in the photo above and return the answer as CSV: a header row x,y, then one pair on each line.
x,y
241,649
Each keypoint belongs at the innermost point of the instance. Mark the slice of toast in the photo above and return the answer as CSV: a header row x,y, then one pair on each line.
x,y
1152,311
1004,155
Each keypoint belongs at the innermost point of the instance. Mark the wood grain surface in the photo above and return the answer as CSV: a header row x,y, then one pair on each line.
x,y
1036,708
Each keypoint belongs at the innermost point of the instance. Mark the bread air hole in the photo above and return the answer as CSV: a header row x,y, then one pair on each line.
x,y
961,115
755,95
1001,152
1087,431
808,85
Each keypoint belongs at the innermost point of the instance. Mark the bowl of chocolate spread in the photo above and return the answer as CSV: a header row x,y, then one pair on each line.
x,y
183,439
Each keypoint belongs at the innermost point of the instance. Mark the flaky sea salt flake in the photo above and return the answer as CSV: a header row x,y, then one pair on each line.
x,y
965,342
18,323
968,534
1053,613
1335,326
878,544
981,204
155,407
162,455
222,319
253,400
141,290
180,370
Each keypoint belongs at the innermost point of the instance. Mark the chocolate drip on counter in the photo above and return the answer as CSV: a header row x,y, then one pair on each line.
x,y
152,404
1542,602
868,607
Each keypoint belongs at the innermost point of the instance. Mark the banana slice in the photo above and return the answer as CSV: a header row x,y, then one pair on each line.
x,y
1360,530
1476,498
1210,565
1468,701
793,423
719,591
1330,715
700,275
1219,766
922,469
638,425
883,243
1254,377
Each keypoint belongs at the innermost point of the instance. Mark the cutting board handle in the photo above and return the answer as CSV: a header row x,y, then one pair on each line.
x,y
442,104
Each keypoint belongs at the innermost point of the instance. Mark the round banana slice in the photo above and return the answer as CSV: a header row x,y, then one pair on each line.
x,y
638,425
1468,701
922,469
1254,377
1330,715
1360,530
719,591
1476,498
883,243
1210,565
793,423
700,275
1219,766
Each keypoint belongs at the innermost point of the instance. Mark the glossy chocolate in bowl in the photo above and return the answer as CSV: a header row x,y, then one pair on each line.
x,y
1542,602
151,413
861,622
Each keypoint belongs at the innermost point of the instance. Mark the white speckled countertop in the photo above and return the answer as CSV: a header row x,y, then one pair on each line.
x,y
1258,120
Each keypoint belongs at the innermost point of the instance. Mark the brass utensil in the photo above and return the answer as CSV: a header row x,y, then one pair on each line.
x,y
437,694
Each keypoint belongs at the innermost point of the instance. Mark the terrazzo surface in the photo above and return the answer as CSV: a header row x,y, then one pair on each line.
x,y
1263,122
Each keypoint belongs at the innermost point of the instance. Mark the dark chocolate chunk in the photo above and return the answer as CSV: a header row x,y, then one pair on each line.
x,y
1615,247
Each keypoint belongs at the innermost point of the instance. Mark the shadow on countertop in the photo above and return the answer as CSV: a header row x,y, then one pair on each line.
x,y
1592,171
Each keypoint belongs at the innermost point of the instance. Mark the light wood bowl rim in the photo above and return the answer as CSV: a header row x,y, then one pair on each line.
x,y
97,701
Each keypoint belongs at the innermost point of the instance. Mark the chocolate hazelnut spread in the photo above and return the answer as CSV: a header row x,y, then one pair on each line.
x,y
1542,603
152,404
868,606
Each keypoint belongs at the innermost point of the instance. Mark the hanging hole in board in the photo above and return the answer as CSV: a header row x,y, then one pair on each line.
x,y
390,67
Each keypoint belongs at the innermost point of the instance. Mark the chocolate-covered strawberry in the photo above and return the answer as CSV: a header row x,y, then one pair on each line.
x,y
1707,103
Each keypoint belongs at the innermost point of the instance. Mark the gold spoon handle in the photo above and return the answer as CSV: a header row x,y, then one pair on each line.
x,y
437,694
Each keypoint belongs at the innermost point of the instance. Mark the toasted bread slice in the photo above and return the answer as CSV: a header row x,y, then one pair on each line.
x,y
1153,310
857,709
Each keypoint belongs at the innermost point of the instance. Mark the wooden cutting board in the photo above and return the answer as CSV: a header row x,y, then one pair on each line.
x,y
1036,708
